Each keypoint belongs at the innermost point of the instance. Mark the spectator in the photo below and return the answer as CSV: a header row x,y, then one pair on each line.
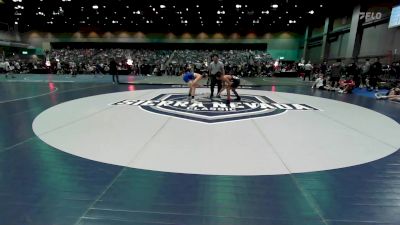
x,y
375,72
114,71
397,69
352,70
308,68
365,72
324,68
7,68
320,83
346,85
336,72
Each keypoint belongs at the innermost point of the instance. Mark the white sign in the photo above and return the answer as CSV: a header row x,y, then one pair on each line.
x,y
370,16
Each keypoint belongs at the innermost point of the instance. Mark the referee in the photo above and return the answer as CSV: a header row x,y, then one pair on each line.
x,y
215,67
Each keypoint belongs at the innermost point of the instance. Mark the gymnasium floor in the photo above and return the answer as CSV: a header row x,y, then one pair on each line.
x,y
79,151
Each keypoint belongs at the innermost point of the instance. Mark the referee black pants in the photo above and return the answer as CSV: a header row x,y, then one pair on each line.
x,y
307,73
115,77
214,82
373,82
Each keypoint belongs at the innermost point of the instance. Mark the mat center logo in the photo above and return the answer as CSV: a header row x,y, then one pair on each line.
x,y
206,110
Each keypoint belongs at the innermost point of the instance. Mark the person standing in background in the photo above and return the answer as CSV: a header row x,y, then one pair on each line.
x,y
324,68
7,68
352,70
375,72
364,73
308,68
114,71
162,68
336,72
397,69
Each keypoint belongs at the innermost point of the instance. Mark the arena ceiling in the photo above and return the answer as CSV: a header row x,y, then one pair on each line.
x,y
162,16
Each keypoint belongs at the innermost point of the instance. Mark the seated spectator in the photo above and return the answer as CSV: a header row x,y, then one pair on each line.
x,y
346,85
320,83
